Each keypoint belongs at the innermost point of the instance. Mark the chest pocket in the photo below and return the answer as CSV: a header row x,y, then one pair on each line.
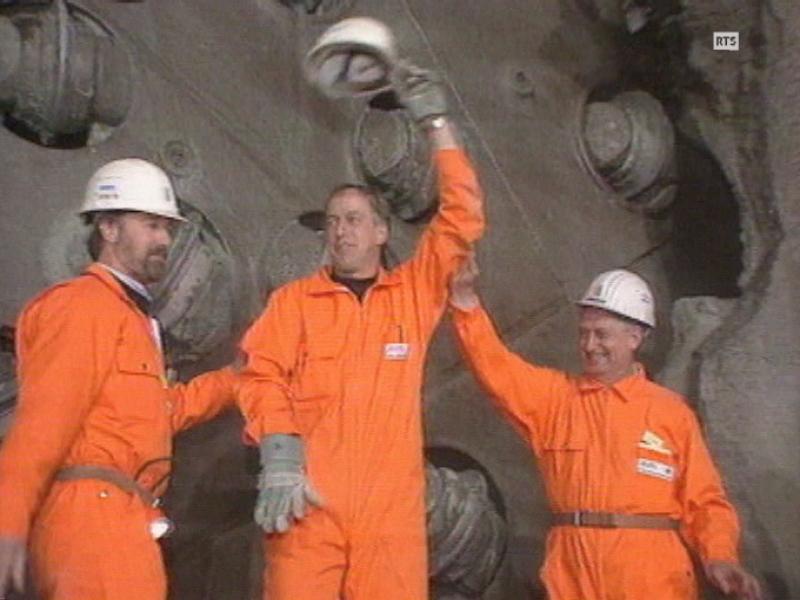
x,y
565,427
135,390
134,357
563,450
320,370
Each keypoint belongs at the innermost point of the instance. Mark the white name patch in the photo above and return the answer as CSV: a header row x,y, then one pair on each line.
x,y
396,351
653,468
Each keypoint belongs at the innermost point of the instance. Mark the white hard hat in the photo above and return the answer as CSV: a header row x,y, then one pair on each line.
x,y
623,293
131,184
352,57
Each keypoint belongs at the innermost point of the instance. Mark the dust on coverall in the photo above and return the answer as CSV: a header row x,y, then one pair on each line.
x,y
321,365
93,392
590,443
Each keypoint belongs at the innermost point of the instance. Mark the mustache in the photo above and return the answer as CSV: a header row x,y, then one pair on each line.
x,y
161,252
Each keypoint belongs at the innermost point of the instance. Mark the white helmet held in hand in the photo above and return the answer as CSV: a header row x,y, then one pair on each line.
x,y
352,57
623,293
131,184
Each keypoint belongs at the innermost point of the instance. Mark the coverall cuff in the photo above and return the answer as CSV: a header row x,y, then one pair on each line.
x,y
720,552
466,315
256,430
452,159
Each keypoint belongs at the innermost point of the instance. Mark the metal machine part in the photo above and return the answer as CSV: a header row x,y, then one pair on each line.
x,y
196,302
466,534
392,155
61,72
627,144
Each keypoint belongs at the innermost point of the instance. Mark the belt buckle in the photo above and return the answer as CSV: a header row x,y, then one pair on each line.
x,y
576,518
161,527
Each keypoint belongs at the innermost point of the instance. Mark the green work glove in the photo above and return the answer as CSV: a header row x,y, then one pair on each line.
x,y
421,92
284,492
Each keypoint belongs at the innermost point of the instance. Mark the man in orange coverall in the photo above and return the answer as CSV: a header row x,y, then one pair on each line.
x,y
331,389
623,460
90,444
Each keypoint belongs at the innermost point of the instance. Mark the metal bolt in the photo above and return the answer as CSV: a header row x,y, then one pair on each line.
x,y
522,83
608,133
178,157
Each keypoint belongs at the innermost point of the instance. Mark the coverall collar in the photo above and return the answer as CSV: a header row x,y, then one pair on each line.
x,y
106,276
135,285
625,388
322,283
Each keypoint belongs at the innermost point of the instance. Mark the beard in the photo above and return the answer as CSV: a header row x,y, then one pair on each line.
x,y
155,266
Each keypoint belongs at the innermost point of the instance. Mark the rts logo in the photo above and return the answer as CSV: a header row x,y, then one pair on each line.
x,y
726,40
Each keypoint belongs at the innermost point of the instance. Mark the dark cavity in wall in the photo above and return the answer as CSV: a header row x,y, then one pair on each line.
x,y
706,236
706,227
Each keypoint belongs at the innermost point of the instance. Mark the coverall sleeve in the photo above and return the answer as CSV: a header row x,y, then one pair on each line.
x,y
272,347
64,354
710,525
522,391
203,398
458,223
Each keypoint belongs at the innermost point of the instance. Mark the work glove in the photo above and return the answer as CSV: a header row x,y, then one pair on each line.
x,y
284,492
420,91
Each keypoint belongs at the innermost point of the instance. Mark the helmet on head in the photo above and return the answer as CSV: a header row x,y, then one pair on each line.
x,y
131,184
622,293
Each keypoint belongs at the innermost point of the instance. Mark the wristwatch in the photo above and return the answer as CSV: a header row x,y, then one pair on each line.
x,y
436,122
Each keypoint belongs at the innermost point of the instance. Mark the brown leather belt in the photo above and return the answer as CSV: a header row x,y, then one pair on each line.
x,y
581,518
109,475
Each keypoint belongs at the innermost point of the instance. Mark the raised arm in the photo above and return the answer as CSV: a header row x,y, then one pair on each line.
x,y
524,393
459,221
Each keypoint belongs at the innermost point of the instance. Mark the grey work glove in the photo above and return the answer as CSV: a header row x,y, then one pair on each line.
x,y
284,492
13,556
421,92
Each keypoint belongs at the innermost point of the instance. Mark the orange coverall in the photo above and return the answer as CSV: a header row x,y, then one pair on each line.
x,y
346,377
93,392
634,447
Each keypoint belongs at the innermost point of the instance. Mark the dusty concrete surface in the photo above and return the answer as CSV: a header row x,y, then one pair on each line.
x,y
251,147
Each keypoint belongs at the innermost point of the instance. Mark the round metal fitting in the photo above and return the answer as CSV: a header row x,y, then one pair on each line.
x,y
393,156
67,74
627,144
197,300
178,158
608,133
522,82
652,145
466,535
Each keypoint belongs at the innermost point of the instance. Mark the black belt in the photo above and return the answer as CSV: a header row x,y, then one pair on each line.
x,y
109,475
582,518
